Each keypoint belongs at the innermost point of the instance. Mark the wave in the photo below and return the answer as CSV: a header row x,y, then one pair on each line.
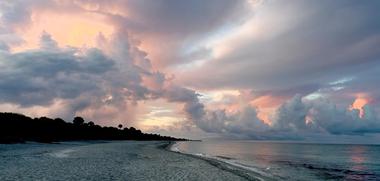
x,y
334,172
62,153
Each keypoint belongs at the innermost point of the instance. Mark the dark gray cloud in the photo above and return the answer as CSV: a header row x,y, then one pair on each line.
x,y
17,12
192,106
14,12
302,44
81,79
177,23
40,76
181,17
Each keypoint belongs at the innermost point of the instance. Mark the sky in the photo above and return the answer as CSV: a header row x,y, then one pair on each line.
x,y
243,69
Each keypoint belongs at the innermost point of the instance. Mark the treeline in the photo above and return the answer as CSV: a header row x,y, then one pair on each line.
x,y
17,128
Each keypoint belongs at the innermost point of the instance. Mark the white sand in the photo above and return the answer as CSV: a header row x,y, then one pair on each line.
x,y
124,160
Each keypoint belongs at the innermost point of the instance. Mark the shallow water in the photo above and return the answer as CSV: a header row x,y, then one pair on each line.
x,y
294,161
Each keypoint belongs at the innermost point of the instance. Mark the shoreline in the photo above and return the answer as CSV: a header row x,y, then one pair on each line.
x,y
238,170
131,160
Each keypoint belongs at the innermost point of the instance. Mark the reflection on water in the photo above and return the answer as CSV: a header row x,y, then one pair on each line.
x,y
292,161
358,159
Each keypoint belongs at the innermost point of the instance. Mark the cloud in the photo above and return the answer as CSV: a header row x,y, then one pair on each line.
x,y
332,119
38,77
46,41
278,49
15,12
192,106
297,118
85,81
126,52
177,23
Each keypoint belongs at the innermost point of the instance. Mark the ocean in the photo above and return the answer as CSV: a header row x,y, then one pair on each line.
x,y
292,160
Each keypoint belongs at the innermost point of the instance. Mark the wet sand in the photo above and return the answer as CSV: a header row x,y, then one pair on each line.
x,y
122,160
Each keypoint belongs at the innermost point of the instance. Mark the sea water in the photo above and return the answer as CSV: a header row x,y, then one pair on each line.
x,y
293,161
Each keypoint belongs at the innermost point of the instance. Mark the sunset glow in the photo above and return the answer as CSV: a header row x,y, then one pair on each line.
x,y
78,30
260,69
192,90
358,104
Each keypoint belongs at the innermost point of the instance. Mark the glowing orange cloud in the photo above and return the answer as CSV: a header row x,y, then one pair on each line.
x,y
266,106
264,115
267,101
359,103
77,29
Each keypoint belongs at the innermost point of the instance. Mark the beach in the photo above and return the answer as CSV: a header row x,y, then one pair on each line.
x,y
116,160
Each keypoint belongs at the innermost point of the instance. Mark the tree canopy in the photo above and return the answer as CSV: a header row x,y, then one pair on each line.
x,y
15,128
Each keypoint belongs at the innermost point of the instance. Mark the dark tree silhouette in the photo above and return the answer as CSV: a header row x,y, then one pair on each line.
x,y
17,128
120,126
59,120
90,123
78,121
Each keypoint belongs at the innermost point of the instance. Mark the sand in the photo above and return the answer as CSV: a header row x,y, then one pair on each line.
x,y
121,160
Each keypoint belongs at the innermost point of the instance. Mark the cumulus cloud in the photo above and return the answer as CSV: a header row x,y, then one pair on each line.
x,y
296,118
332,119
38,77
92,82
104,83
